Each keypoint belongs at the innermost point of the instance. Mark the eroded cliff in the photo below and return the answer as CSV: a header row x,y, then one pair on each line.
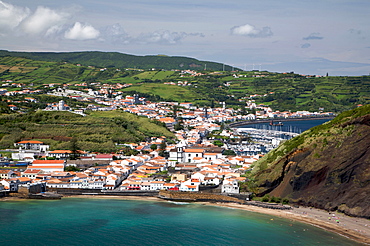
x,y
326,167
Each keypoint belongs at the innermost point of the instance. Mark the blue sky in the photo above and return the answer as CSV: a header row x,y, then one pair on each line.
x,y
304,36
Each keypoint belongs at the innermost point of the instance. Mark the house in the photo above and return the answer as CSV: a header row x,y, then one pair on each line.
x,y
31,173
6,174
10,184
171,186
170,122
189,154
23,155
24,180
230,186
211,181
145,185
178,177
48,166
156,185
60,106
32,145
190,185
111,182
60,154
104,157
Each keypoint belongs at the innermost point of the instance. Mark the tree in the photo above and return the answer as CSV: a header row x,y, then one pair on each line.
x,y
179,125
74,149
218,143
153,147
229,152
71,169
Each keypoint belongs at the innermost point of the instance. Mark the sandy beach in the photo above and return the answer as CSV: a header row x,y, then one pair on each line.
x,y
357,229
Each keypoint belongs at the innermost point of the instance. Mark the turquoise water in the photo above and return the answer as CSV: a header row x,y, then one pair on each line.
x,y
76,221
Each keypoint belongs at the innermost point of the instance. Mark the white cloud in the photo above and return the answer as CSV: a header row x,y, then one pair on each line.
x,y
43,19
251,31
81,32
11,16
114,33
163,37
305,46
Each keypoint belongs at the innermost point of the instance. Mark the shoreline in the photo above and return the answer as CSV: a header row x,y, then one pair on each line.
x,y
356,229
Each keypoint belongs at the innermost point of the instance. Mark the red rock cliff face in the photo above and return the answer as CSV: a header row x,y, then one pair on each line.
x,y
331,171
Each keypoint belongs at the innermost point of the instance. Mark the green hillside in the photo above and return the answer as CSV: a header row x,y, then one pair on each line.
x,y
99,131
120,60
279,91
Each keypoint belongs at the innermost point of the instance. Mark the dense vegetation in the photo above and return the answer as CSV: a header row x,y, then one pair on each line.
x,y
279,91
98,132
120,60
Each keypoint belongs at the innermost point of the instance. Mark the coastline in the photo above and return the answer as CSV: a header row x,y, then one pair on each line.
x,y
356,229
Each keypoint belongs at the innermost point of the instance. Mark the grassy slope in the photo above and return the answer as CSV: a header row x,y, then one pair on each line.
x,y
291,92
97,132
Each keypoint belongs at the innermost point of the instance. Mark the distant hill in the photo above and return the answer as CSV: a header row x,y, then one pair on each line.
x,y
120,60
90,70
326,167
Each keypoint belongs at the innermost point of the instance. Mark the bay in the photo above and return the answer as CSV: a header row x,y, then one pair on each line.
x,y
80,221
297,126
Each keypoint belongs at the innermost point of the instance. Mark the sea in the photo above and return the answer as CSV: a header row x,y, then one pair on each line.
x,y
89,221
297,126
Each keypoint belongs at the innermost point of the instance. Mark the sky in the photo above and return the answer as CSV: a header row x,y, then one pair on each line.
x,y
301,36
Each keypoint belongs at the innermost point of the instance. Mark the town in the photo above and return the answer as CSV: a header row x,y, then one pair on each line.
x,y
200,158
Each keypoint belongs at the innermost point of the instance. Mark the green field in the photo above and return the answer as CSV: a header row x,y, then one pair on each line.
x,y
290,91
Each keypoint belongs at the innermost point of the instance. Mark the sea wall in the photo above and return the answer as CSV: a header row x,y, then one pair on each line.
x,y
71,192
209,197
196,196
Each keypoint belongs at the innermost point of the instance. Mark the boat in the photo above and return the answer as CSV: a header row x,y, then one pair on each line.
x,y
276,124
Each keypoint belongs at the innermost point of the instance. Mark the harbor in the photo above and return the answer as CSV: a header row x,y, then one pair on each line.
x,y
263,136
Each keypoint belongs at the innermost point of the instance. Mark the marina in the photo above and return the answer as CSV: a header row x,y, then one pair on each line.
x,y
260,138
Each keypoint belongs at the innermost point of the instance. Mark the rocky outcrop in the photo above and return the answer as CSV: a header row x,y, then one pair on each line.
x,y
328,169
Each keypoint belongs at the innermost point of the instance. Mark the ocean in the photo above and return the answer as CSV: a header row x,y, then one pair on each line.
x,y
79,221
298,126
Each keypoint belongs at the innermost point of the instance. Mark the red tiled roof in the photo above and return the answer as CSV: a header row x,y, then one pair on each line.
x,y
31,142
194,150
48,162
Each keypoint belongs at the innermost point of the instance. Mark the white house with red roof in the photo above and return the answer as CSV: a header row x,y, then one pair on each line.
x,y
31,173
48,166
190,153
190,185
156,185
6,174
60,154
32,145
104,157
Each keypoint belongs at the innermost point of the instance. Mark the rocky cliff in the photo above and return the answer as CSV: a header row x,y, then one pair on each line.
x,y
326,167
